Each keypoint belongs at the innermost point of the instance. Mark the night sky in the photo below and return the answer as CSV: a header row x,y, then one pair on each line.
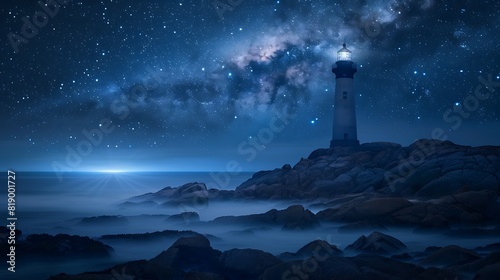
x,y
187,86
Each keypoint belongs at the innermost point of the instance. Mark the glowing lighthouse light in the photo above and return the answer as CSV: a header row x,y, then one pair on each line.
x,y
344,54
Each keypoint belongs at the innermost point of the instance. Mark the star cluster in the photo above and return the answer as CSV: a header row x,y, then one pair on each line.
x,y
195,79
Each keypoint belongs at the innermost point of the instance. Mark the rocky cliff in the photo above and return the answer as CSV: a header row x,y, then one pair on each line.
x,y
426,169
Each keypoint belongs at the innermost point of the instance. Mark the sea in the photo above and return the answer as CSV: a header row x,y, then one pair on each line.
x,y
45,203
84,192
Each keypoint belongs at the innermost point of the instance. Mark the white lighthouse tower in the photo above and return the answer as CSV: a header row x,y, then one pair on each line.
x,y
344,116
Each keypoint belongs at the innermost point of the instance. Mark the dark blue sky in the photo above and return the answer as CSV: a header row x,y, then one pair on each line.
x,y
182,86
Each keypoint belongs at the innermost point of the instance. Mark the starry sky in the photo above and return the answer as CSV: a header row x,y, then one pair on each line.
x,y
198,85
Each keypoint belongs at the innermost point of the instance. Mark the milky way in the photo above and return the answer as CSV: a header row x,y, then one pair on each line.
x,y
185,83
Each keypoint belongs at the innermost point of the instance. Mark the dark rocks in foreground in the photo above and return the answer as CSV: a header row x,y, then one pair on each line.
x,y
377,243
194,258
489,272
317,248
246,263
189,253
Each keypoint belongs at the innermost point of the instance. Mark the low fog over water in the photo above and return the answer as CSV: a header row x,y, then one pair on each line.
x,y
58,207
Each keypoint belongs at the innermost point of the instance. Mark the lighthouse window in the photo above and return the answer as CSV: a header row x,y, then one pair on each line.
x,y
345,94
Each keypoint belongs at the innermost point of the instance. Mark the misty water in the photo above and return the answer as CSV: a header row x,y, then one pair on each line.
x,y
46,205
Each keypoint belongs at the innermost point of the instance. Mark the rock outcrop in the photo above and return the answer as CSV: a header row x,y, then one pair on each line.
x,y
189,253
246,263
317,248
190,193
377,243
292,218
194,258
150,236
425,169
185,217
43,246
451,256
470,208
429,185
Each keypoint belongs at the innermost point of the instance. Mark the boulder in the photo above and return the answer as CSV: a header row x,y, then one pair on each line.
x,y
311,268
187,193
328,215
189,253
378,267
488,272
185,217
293,218
433,273
475,266
296,217
245,263
318,249
450,256
377,243
341,268
474,201
372,209
495,247
149,236
131,270
432,222
435,215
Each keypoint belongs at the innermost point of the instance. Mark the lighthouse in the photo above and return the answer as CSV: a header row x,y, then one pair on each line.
x,y
344,110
